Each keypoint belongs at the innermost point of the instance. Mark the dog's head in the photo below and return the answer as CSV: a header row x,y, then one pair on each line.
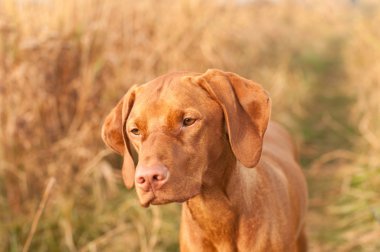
x,y
181,124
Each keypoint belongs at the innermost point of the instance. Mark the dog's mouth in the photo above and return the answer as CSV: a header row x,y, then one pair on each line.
x,y
150,198
146,199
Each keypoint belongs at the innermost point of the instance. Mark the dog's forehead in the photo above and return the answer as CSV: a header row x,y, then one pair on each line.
x,y
175,90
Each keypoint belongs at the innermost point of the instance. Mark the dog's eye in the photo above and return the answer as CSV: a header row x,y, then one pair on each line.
x,y
188,121
135,131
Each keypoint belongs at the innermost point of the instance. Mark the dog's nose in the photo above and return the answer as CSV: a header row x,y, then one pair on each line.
x,y
151,177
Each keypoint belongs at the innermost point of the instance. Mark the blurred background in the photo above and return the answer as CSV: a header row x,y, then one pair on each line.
x,y
65,64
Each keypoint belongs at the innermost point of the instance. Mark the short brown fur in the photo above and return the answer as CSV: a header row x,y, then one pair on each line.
x,y
227,206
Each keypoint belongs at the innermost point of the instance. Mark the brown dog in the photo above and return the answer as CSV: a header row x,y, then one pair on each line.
x,y
200,140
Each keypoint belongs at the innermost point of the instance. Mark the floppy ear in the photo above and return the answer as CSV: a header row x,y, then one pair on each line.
x,y
114,135
246,107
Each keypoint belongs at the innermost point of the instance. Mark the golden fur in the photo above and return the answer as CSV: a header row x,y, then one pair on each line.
x,y
242,190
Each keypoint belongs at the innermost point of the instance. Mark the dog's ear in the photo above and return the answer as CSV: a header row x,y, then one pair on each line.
x,y
246,107
114,134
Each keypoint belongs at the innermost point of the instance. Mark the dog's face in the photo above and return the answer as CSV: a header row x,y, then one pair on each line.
x,y
177,124
174,125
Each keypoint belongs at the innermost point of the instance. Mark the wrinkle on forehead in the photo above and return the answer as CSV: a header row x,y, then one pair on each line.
x,y
173,89
166,80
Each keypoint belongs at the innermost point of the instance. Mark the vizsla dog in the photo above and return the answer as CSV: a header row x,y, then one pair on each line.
x,y
206,140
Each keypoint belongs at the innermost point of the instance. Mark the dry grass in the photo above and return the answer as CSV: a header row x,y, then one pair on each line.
x,y
64,64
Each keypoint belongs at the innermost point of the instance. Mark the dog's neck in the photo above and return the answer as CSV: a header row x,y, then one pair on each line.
x,y
218,173
213,203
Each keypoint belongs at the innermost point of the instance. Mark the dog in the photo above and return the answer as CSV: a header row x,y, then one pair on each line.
x,y
206,140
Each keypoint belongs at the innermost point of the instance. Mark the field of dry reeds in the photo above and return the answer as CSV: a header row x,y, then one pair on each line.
x,y
65,64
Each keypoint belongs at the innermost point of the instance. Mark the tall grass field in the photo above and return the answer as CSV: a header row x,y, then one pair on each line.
x,y
65,64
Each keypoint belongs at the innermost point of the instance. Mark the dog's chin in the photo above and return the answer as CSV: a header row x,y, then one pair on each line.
x,y
150,199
